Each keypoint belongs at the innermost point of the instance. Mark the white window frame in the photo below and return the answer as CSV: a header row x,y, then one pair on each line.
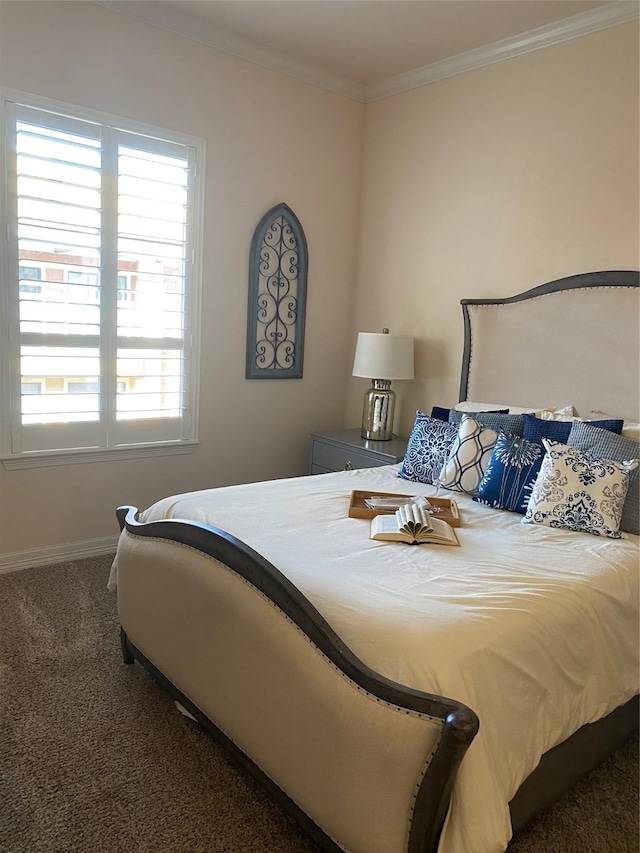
x,y
11,455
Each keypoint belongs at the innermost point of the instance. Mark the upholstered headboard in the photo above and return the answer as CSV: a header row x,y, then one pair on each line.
x,y
575,340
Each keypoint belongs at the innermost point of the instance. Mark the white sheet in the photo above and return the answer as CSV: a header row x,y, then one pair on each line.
x,y
535,629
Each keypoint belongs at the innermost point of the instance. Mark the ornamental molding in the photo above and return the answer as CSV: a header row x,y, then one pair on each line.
x,y
585,23
576,26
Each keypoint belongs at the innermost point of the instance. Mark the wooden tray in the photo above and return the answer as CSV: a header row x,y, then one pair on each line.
x,y
358,509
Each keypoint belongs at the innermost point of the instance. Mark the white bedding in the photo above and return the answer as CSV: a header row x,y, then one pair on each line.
x,y
535,629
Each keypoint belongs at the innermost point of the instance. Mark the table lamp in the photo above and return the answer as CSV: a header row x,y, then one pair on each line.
x,y
384,357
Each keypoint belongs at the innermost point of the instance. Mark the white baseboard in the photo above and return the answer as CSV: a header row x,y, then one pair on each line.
x,y
58,554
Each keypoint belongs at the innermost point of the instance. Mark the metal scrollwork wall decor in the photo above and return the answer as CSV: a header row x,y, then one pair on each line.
x,y
277,297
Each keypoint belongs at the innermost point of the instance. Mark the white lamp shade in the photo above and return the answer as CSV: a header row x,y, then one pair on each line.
x,y
381,356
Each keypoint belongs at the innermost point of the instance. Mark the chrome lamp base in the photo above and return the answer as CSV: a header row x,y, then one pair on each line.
x,y
377,411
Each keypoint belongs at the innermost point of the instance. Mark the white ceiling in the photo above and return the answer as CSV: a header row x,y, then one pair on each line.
x,y
367,43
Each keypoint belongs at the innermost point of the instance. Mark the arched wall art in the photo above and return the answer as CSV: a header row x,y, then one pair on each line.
x,y
277,297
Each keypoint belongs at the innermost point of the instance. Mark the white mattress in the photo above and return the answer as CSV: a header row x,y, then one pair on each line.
x,y
535,629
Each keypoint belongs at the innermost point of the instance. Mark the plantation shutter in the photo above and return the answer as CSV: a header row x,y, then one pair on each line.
x,y
58,220
100,267
153,247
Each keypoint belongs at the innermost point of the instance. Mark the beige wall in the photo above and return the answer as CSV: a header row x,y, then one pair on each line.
x,y
487,184
270,138
480,185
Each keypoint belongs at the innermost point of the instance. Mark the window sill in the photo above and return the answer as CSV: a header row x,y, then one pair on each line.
x,y
47,459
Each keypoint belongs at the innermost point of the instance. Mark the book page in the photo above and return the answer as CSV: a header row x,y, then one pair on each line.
x,y
386,528
413,519
440,532
387,525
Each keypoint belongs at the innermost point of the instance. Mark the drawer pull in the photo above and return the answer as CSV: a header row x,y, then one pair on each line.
x,y
348,466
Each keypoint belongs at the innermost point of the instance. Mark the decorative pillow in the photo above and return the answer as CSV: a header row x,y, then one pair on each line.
x,y
576,492
497,421
535,429
469,456
552,413
440,413
427,449
602,444
512,471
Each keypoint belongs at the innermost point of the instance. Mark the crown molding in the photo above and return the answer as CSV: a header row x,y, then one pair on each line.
x,y
169,19
603,17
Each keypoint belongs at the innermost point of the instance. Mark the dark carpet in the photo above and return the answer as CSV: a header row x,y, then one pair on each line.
x,y
95,758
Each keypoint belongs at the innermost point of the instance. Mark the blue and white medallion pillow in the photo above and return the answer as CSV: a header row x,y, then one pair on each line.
x,y
469,457
427,449
577,492
513,469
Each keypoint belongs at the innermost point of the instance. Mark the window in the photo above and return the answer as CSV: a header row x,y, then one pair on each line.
x,y
105,215
26,274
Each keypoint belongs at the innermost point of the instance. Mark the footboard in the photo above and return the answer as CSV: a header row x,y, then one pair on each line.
x,y
366,764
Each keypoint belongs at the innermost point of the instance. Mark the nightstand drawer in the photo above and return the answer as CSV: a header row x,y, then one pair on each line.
x,y
334,458
316,469
344,449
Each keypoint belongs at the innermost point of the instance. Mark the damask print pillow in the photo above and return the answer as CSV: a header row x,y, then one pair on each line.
x,y
512,471
577,492
427,449
601,444
469,457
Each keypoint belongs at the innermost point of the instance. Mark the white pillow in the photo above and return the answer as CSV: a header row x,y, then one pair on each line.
x,y
562,415
470,407
631,430
469,456
576,492
559,412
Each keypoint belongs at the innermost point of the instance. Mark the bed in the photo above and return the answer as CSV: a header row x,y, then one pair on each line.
x,y
407,699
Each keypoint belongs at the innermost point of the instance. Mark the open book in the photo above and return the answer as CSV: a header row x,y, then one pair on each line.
x,y
412,524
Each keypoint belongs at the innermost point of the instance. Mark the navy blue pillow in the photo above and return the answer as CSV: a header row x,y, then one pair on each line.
x,y
440,414
511,473
535,429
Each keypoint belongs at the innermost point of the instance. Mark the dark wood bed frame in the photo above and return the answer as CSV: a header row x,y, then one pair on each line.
x,y
460,724
559,768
